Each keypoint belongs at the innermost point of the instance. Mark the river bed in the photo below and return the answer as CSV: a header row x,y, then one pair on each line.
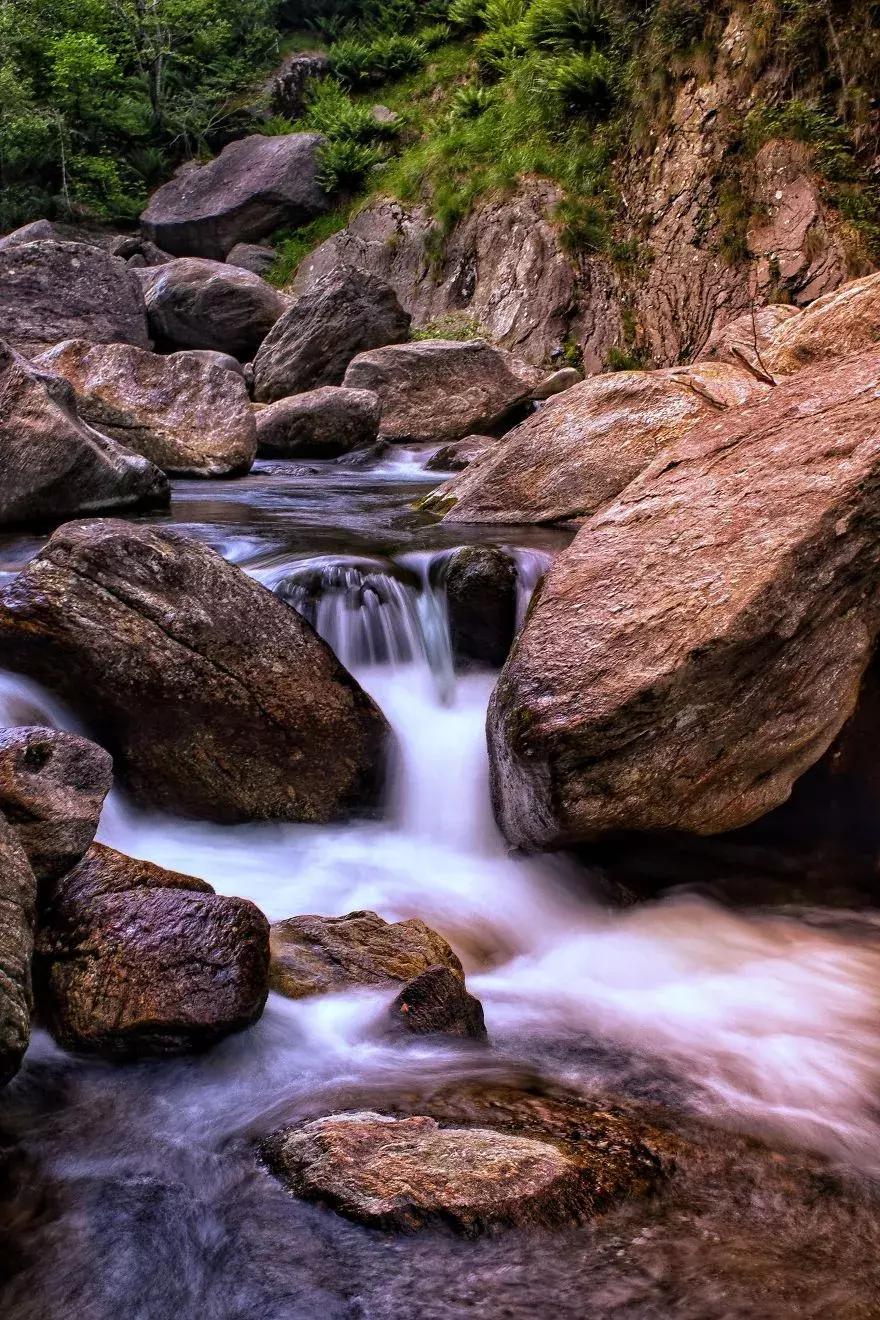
x,y
135,1188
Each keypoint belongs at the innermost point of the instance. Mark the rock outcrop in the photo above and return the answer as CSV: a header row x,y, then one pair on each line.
x,y
747,340
50,291
583,447
135,960
253,257
17,905
439,390
200,304
460,454
503,267
188,416
844,322
52,464
321,423
480,586
703,640
436,1003
287,87
215,699
341,315
52,788
314,955
255,185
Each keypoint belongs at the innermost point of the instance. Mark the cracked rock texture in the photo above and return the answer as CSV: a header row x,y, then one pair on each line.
x,y
215,699
745,561
17,906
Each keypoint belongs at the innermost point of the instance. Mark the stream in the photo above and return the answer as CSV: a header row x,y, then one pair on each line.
x,y
134,1189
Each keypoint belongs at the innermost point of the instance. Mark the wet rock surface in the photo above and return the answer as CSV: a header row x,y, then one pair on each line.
x,y
55,466
339,316
188,416
701,643
255,185
133,960
436,1003
480,583
441,390
322,423
313,955
460,454
17,907
50,291
580,449
194,303
215,699
52,788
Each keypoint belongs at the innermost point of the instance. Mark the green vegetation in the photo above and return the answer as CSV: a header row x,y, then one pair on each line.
x,y
296,244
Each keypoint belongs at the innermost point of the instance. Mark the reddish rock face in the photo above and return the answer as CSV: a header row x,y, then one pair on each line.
x,y
52,789
188,416
51,291
844,322
314,955
314,341
747,341
441,390
578,450
215,699
135,960
52,464
199,304
703,640
255,185
17,905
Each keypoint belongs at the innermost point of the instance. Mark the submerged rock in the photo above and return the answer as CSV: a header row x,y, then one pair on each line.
x,y
201,304
188,416
134,960
317,337
410,1173
215,699
583,447
702,641
52,788
480,585
321,423
255,185
52,464
314,955
17,906
50,291
440,390
436,1003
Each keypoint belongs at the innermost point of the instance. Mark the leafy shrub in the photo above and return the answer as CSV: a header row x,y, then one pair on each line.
x,y
434,35
582,84
470,102
679,24
331,111
568,23
343,164
584,227
360,63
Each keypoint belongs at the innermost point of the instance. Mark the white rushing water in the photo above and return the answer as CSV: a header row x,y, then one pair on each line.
x,y
766,1020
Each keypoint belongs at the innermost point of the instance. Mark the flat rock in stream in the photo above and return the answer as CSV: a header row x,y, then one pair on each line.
x,y
703,640
314,955
18,891
53,465
135,960
52,788
410,1173
215,699
189,416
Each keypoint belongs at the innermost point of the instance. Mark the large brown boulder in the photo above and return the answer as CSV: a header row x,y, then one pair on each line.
x,y
441,390
132,959
208,305
188,416
702,641
843,322
215,699
255,185
314,955
317,337
51,291
17,904
321,423
52,464
581,448
747,340
437,1003
52,788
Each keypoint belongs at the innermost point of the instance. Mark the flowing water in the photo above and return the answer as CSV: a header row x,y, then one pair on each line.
x,y
135,1189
